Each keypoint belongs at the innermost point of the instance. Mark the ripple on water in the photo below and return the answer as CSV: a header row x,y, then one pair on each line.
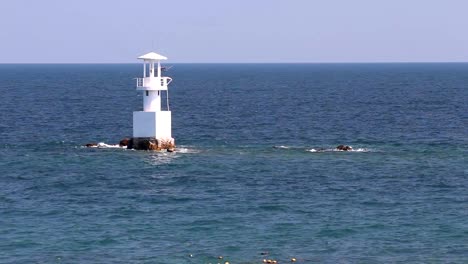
x,y
400,196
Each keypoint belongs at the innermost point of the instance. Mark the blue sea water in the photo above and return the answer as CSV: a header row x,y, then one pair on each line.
x,y
246,182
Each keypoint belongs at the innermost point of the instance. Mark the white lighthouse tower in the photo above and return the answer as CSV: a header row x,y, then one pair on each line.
x,y
152,126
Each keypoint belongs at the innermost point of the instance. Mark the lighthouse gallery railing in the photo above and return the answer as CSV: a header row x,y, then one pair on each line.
x,y
146,82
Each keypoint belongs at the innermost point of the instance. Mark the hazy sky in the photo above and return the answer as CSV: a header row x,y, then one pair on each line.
x,y
234,31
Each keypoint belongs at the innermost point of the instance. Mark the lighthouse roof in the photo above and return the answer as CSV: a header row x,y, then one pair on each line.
x,y
152,56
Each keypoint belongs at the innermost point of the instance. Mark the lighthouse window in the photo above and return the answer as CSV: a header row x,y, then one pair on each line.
x,y
147,93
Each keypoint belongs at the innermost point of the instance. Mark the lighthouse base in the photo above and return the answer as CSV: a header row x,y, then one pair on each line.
x,y
149,143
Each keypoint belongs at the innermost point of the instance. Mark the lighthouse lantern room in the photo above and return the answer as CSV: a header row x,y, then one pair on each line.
x,y
152,126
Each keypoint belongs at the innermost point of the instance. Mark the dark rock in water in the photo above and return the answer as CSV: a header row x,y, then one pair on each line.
x,y
344,148
144,144
130,144
124,142
151,144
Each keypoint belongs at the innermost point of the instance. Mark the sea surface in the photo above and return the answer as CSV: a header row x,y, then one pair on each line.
x,y
255,175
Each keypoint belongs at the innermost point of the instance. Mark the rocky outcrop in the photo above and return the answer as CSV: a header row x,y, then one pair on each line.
x,y
344,148
141,144
124,142
151,144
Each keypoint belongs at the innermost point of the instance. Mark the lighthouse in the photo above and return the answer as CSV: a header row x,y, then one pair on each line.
x,y
152,125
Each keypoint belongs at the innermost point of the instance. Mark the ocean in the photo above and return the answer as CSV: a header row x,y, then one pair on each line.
x,y
255,176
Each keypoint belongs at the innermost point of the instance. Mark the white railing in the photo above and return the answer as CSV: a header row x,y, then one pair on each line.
x,y
166,81
147,82
140,82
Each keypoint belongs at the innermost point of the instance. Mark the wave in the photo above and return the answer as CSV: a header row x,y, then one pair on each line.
x,y
338,150
158,158
320,150
103,145
186,150
281,147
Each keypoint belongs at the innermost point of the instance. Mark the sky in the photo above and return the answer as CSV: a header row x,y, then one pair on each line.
x,y
216,31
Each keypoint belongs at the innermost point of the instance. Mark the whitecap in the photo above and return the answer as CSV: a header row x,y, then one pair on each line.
x,y
186,150
361,150
351,150
338,150
104,146
160,158
282,147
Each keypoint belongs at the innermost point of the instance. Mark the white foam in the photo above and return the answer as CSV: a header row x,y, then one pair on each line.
x,y
282,147
160,158
338,150
352,150
361,150
186,150
105,146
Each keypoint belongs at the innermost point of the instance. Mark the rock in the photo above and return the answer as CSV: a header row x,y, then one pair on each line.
x,y
151,144
344,148
124,142
130,144
90,145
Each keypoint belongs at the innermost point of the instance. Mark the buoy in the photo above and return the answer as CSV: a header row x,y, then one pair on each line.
x,y
293,259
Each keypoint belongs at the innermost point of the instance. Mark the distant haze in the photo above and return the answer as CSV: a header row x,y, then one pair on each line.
x,y
105,31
